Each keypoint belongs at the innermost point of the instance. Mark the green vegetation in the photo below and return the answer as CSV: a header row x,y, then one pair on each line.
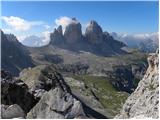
x,y
108,96
136,81
151,87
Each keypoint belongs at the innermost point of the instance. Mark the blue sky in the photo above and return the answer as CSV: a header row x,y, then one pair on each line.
x,y
121,17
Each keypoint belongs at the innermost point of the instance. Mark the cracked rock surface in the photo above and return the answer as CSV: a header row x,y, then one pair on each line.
x,y
57,104
144,101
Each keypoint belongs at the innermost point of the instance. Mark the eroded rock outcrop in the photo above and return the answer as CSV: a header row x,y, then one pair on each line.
x,y
57,104
42,78
94,33
76,68
144,101
54,95
15,91
73,32
12,111
57,36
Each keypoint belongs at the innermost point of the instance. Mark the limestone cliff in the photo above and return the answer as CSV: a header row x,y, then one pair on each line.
x,y
144,102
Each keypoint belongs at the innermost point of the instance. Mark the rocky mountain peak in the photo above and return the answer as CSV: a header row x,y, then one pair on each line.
x,y
59,29
73,32
57,36
93,22
94,33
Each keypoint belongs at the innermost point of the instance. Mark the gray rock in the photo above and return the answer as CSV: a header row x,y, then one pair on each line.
x,y
94,33
144,101
15,91
57,36
73,32
59,29
42,78
12,111
56,104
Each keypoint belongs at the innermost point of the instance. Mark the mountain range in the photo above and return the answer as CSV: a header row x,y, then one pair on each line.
x,y
75,69
144,42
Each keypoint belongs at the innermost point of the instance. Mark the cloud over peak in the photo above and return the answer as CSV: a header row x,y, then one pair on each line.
x,y
64,21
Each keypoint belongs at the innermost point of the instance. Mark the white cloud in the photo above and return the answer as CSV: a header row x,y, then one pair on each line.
x,y
47,27
45,37
22,37
19,24
6,30
42,39
135,39
64,21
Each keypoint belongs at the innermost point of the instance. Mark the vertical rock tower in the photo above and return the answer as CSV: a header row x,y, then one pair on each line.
x,y
94,33
73,32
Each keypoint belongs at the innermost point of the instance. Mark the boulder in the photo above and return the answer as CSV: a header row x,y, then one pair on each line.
x,y
12,111
57,104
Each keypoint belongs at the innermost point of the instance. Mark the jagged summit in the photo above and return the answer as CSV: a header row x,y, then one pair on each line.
x,y
94,39
73,32
94,33
59,29
57,36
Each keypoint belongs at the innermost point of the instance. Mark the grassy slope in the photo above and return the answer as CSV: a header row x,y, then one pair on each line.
x,y
108,96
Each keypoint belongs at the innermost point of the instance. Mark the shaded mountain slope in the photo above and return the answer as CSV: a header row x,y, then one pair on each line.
x,y
15,56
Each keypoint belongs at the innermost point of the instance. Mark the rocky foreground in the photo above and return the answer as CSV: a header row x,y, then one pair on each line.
x,y
144,101
46,96
42,92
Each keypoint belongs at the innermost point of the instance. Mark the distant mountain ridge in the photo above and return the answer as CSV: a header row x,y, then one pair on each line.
x,y
33,41
144,42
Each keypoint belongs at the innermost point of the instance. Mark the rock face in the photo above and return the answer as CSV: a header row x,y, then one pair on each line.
x,y
57,36
12,111
41,79
126,78
15,91
144,101
73,32
57,104
15,56
94,40
94,33
56,100
76,69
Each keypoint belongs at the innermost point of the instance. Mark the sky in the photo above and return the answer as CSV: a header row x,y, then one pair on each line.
x,y
40,18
